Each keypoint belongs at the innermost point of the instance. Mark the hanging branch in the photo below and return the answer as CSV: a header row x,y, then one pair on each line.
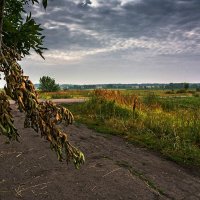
x,y
42,117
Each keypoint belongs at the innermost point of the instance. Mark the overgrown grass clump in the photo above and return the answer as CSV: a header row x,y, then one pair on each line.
x,y
171,126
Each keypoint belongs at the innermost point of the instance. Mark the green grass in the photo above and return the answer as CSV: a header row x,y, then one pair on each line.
x,y
174,130
172,103
65,94
142,177
137,92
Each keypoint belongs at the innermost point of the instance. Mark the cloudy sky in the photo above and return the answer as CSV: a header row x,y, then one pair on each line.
x,y
118,41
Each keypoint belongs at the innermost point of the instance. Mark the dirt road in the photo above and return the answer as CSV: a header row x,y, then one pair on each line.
x,y
59,100
114,170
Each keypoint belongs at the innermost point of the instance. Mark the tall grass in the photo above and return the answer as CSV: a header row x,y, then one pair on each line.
x,y
172,127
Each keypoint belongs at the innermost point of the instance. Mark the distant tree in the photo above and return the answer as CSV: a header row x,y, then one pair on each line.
x,y
186,86
171,86
48,84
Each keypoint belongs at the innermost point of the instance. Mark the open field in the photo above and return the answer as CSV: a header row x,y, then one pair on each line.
x,y
162,93
168,124
139,92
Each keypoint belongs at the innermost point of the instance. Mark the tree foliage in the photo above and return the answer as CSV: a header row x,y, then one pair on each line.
x,y
19,36
186,86
48,84
21,33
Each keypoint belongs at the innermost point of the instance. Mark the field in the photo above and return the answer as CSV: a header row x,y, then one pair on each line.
x,y
64,94
163,121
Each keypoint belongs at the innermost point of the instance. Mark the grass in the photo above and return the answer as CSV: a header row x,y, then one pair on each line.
x,y
168,125
65,94
136,92
142,177
161,92
170,103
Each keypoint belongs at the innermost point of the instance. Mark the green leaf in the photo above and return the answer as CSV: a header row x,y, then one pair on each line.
x,y
44,2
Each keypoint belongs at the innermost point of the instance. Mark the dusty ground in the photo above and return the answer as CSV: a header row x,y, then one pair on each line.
x,y
59,100
113,170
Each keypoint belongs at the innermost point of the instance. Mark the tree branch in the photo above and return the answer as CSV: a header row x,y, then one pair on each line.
x,y
2,4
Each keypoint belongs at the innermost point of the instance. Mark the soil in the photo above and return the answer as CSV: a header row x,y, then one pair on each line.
x,y
114,170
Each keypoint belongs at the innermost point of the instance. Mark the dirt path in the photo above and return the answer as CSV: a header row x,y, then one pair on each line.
x,y
59,100
113,170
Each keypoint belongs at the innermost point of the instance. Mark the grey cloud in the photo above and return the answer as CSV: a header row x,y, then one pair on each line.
x,y
112,41
163,27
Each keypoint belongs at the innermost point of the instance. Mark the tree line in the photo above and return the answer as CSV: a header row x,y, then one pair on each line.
x,y
48,84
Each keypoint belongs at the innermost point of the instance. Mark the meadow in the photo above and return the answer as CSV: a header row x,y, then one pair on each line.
x,y
64,94
166,122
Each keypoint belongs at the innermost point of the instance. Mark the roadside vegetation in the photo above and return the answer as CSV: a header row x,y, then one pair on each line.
x,y
65,94
168,124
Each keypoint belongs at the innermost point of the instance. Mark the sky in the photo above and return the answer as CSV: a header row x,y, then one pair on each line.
x,y
118,41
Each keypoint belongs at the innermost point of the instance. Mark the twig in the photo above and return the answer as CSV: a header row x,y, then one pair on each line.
x,y
43,187
19,155
93,188
42,157
19,190
114,170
